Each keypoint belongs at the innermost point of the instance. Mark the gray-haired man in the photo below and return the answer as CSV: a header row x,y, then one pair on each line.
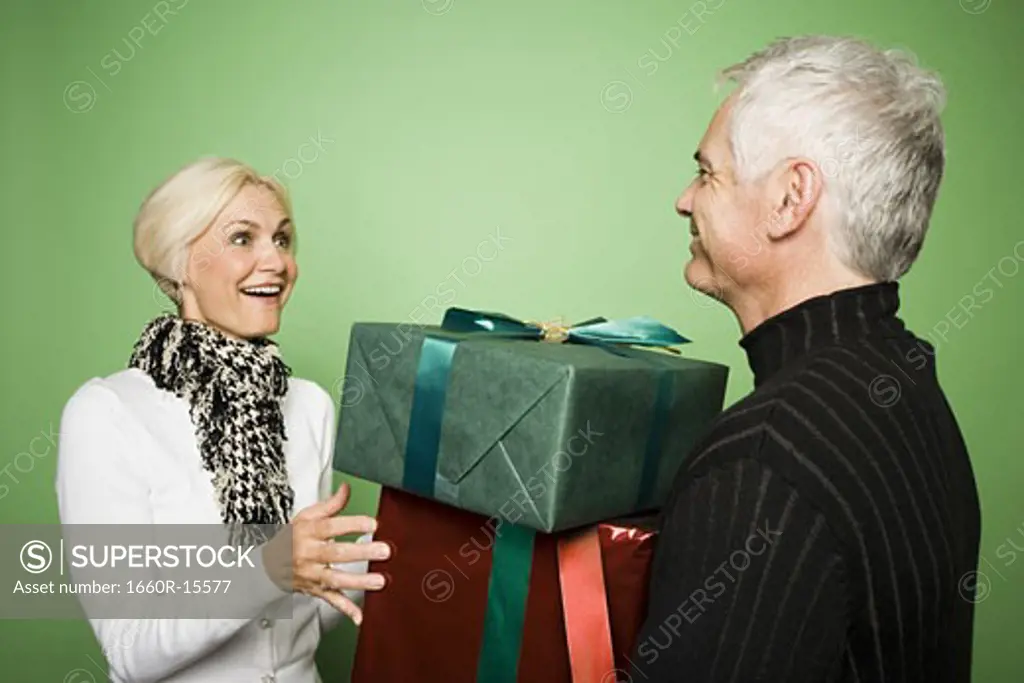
x,y
827,527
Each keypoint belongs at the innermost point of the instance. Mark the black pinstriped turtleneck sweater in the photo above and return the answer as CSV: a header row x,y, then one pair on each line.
x,y
826,528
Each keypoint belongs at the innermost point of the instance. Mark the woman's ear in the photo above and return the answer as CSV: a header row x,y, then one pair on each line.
x,y
170,287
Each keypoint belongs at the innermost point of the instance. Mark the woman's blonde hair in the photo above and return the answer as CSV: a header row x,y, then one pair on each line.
x,y
183,207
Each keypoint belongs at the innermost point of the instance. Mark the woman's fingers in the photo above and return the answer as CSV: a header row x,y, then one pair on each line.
x,y
341,553
343,525
314,549
340,603
339,580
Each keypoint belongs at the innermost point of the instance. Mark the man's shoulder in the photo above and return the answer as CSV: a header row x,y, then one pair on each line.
x,y
837,387
862,369
738,432
770,426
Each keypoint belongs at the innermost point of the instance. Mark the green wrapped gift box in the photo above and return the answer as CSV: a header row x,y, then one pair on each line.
x,y
485,414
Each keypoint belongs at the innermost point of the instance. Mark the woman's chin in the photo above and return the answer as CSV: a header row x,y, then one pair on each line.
x,y
254,326
265,328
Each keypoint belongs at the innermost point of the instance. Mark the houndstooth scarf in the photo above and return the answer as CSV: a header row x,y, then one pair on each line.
x,y
234,389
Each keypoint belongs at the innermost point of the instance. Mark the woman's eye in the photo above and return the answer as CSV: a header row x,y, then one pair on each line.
x,y
284,241
240,239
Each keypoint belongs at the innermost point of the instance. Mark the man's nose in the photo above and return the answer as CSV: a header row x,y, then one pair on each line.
x,y
684,204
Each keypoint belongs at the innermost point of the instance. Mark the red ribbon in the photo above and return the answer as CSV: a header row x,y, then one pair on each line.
x,y
585,605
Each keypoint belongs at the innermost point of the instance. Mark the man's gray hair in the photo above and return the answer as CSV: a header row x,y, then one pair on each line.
x,y
869,118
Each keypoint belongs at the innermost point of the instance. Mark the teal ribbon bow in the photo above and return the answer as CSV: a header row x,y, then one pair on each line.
x,y
513,549
636,331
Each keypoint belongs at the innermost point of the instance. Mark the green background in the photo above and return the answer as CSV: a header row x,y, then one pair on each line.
x,y
566,125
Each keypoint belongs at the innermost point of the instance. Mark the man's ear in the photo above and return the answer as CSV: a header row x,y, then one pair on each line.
x,y
794,189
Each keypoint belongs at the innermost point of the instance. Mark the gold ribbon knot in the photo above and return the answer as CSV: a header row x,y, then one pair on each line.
x,y
554,331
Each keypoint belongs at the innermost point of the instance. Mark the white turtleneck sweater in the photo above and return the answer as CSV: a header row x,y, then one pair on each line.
x,y
128,455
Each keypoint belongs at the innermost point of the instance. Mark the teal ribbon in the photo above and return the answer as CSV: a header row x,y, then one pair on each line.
x,y
648,475
427,413
509,584
512,557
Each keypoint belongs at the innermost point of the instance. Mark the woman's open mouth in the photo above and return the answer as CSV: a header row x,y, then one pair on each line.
x,y
269,293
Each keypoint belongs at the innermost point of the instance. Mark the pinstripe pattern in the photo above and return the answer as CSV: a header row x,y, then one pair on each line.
x,y
819,530
762,489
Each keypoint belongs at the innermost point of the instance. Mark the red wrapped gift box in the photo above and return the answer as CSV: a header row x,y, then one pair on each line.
x,y
449,611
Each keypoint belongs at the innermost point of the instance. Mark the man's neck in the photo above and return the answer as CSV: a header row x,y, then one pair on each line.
x,y
757,305
844,315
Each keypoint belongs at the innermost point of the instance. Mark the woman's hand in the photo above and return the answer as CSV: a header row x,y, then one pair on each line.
x,y
304,566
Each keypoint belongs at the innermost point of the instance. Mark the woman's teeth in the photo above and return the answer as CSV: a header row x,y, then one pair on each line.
x,y
271,290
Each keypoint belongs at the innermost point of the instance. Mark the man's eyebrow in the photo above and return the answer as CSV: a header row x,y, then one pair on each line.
x,y
699,157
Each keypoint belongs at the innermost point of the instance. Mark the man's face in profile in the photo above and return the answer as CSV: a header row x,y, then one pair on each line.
x,y
723,214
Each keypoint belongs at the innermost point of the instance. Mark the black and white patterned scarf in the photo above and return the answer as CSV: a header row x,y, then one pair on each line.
x,y
234,389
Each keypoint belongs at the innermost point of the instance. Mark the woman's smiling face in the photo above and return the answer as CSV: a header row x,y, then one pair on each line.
x,y
241,271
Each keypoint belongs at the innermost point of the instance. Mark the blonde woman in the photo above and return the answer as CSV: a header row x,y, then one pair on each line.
x,y
206,425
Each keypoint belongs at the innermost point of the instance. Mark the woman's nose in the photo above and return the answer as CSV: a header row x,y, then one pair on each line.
x,y
270,258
